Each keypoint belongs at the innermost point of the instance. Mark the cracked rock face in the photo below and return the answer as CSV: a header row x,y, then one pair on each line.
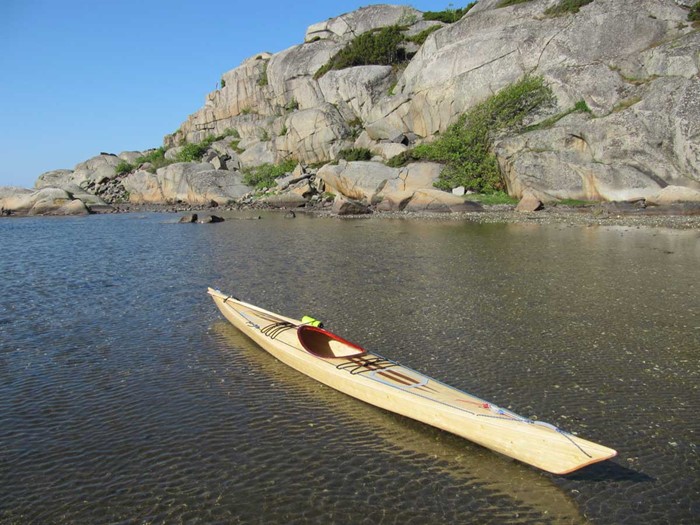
x,y
635,64
191,182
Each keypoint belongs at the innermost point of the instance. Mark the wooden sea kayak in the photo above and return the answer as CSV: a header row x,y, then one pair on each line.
x,y
382,382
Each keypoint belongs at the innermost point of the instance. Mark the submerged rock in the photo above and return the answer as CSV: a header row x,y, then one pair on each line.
x,y
189,218
210,219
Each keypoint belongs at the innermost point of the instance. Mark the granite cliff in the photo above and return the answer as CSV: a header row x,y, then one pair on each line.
x,y
623,124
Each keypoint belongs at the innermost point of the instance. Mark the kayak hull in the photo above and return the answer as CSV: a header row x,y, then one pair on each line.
x,y
381,382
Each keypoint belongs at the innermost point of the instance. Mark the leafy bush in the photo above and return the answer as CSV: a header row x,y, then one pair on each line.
x,y
191,152
355,154
448,16
506,3
379,47
421,37
152,156
264,176
156,158
465,145
566,6
234,145
223,83
230,132
694,14
124,167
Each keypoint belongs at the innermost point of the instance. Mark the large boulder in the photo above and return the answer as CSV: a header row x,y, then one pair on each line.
x,y
345,206
96,169
257,153
347,26
190,182
45,201
673,195
54,179
437,201
373,181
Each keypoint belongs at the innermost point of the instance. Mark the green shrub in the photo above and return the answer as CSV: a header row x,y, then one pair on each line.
x,y
223,83
264,176
191,152
230,132
421,37
378,47
694,14
152,156
448,16
124,167
566,6
355,154
465,146
234,145
506,3
156,158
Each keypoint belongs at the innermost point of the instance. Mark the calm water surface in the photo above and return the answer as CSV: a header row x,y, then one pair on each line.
x,y
125,398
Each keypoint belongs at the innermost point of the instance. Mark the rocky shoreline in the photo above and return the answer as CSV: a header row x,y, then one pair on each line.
x,y
680,217
615,124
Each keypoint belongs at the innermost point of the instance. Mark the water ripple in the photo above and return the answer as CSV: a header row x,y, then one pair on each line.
x,y
125,399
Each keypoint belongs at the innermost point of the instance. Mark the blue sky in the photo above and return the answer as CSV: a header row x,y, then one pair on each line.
x,y
78,77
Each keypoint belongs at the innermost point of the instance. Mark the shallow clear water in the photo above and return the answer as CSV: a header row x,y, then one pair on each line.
x,y
125,398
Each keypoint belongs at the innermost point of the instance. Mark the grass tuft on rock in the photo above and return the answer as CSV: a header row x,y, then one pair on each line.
x,y
506,3
694,13
355,154
566,7
124,167
265,175
465,147
421,37
156,158
450,15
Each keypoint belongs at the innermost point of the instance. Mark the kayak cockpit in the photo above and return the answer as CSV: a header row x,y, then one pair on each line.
x,y
326,345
